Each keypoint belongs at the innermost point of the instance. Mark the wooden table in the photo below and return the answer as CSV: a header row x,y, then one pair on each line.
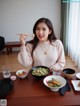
x,y
32,92
10,45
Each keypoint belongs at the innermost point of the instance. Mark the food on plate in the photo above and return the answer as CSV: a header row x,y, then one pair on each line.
x,y
21,73
40,71
53,83
79,84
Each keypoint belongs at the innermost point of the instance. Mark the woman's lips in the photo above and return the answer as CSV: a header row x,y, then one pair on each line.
x,y
41,36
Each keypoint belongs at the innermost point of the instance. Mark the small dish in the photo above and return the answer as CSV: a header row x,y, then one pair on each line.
x,y
78,75
75,85
22,73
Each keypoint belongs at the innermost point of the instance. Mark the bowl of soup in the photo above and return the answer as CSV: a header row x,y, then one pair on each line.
x,y
69,73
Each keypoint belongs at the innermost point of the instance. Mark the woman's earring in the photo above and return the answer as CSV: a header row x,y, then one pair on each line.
x,y
33,35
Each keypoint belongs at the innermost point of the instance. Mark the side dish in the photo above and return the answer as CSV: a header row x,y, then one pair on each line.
x,y
40,72
21,73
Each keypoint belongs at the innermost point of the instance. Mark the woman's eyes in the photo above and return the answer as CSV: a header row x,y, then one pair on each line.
x,y
41,29
44,29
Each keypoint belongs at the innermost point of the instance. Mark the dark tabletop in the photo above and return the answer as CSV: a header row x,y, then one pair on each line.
x,y
32,92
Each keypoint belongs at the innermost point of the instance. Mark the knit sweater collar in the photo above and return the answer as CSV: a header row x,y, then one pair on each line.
x,y
47,43
44,43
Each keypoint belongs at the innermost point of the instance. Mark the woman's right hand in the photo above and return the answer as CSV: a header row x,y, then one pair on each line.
x,y
22,38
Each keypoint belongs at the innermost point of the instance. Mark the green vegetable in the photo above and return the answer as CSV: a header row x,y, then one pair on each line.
x,y
40,71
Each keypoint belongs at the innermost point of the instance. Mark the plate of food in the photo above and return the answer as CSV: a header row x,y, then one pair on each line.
x,y
76,85
40,71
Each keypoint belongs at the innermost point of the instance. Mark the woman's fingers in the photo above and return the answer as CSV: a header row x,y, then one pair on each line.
x,y
22,38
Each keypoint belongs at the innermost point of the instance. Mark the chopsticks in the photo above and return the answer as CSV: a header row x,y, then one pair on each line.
x,y
28,35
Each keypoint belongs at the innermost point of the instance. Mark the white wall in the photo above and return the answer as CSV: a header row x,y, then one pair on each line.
x,y
19,16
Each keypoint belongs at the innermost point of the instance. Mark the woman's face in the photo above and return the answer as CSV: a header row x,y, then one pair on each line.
x,y
42,32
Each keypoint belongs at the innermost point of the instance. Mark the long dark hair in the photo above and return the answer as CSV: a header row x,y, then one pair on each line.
x,y
51,37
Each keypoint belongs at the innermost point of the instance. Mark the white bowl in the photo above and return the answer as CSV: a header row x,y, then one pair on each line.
x,y
58,78
78,75
22,73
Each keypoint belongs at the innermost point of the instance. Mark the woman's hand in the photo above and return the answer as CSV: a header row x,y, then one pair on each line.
x,y
22,38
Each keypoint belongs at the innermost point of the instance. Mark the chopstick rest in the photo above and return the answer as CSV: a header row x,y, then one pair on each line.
x,y
64,89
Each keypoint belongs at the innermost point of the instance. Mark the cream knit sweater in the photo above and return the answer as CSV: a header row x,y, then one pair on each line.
x,y
55,57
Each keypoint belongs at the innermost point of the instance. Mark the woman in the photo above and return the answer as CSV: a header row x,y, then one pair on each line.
x,y
45,49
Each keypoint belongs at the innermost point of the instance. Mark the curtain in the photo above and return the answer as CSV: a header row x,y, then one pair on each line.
x,y
64,24
71,30
74,33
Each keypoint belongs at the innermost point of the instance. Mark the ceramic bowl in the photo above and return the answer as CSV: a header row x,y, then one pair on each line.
x,y
22,73
40,71
53,86
69,73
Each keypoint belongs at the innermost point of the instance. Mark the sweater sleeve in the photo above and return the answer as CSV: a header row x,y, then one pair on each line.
x,y
24,56
60,63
